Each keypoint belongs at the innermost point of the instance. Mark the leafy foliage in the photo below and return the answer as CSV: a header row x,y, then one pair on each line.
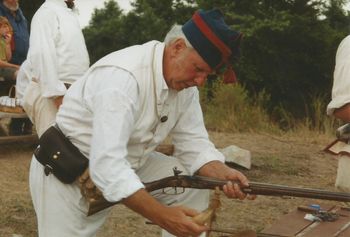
x,y
30,7
104,33
288,48
110,29
231,109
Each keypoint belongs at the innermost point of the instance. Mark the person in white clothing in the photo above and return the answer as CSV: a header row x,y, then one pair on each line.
x,y
56,58
339,106
121,110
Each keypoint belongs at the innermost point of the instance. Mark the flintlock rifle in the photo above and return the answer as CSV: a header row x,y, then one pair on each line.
x,y
199,182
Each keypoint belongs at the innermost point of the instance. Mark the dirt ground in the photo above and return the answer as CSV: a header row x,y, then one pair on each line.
x,y
292,160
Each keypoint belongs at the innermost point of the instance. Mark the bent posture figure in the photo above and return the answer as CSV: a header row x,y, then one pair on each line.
x,y
340,106
121,110
57,57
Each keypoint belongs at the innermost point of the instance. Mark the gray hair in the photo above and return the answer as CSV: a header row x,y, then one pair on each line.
x,y
11,6
174,34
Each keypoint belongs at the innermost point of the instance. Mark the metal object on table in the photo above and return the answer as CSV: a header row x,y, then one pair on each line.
x,y
323,215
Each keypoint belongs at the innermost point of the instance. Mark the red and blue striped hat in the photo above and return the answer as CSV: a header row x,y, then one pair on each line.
x,y
215,42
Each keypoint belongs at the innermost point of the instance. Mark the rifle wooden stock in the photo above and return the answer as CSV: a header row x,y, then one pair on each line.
x,y
200,182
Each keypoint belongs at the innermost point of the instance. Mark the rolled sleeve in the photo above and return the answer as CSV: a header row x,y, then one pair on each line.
x,y
341,83
206,156
192,145
341,87
127,184
113,103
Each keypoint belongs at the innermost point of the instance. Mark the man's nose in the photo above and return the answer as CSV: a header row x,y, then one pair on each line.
x,y
200,80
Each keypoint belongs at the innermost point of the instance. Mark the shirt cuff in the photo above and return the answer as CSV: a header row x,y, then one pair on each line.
x,y
60,90
336,104
125,186
205,157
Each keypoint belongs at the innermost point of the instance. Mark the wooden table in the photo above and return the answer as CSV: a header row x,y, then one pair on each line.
x,y
12,115
7,139
293,224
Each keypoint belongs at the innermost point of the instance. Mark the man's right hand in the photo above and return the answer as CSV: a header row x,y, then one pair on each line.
x,y
343,113
58,101
176,220
179,222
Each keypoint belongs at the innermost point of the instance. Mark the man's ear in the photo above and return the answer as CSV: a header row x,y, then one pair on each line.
x,y
70,4
178,46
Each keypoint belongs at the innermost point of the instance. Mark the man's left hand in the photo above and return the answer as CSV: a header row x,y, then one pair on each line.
x,y
235,179
58,101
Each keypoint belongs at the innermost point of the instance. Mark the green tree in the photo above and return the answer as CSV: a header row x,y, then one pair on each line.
x,y
103,35
30,7
336,16
288,47
110,29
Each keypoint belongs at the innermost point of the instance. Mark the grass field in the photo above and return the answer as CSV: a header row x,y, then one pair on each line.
x,y
293,160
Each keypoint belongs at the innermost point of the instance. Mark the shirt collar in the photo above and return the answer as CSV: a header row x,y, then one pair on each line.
x,y
6,9
58,2
161,86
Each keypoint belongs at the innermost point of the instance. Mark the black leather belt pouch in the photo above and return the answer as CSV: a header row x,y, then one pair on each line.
x,y
59,156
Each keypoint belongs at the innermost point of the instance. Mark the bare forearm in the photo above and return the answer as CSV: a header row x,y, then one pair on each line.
x,y
214,169
6,64
144,204
176,220
343,113
58,101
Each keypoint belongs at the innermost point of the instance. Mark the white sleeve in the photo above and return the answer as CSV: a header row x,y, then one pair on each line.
x,y
341,83
43,53
22,80
113,106
190,138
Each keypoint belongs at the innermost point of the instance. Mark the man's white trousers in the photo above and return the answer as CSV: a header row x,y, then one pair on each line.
x,y
41,111
61,209
343,174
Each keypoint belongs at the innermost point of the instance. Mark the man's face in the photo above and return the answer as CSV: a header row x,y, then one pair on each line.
x,y
70,3
186,68
11,4
4,29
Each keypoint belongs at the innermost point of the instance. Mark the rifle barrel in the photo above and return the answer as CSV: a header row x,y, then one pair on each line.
x,y
200,182
271,189
279,190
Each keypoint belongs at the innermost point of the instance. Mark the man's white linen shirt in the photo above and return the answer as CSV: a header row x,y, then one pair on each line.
x,y
101,109
57,51
341,83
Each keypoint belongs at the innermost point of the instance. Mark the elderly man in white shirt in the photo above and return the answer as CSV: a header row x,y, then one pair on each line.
x,y
121,110
340,106
56,58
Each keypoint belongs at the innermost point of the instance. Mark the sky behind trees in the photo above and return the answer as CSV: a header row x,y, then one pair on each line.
x,y
86,8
